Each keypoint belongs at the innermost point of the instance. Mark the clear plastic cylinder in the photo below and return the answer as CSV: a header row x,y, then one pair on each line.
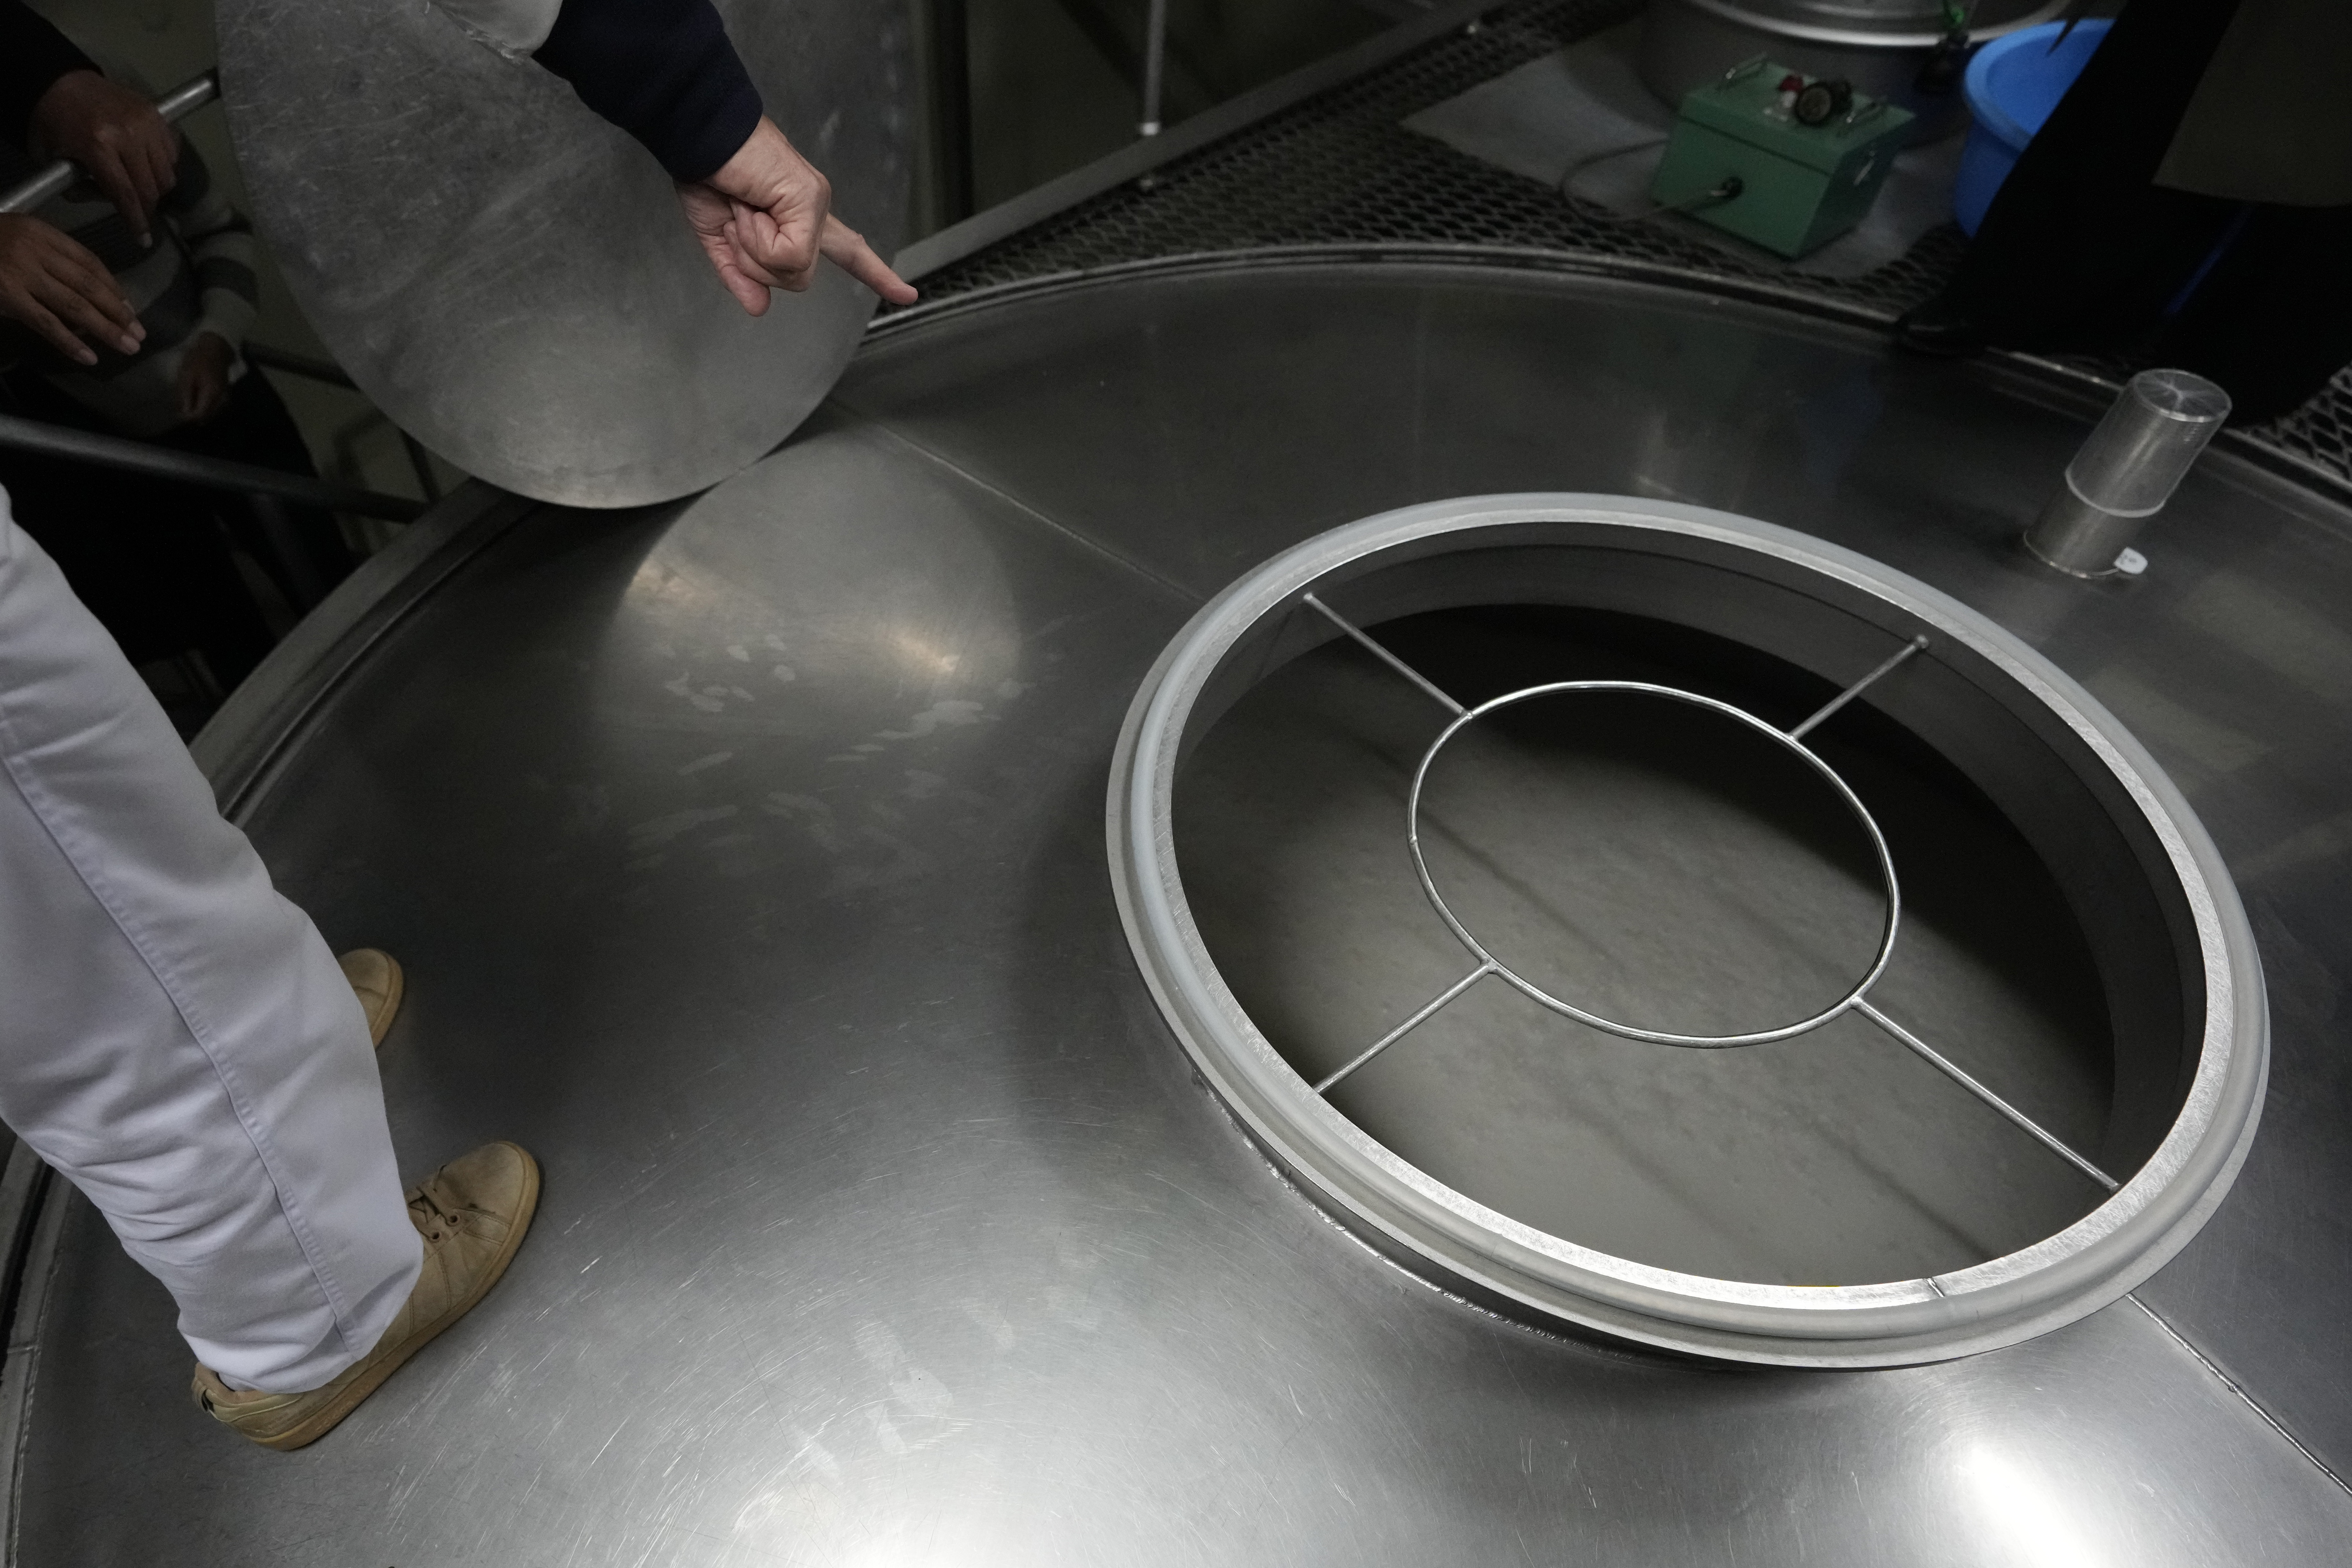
x,y
2136,458
2128,470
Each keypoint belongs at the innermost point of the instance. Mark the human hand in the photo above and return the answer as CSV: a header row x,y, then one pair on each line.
x,y
203,385
55,287
116,136
765,220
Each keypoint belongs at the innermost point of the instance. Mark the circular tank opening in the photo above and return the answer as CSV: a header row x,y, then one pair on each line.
x,y
1677,926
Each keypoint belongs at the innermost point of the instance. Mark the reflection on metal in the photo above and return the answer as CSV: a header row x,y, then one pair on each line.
x,y
507,276
2015,1505
1796,599
52,181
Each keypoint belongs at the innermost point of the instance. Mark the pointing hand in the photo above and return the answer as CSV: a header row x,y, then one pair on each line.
x,y
765,221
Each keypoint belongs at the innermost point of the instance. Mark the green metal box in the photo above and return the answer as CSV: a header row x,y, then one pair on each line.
x,y
1800,186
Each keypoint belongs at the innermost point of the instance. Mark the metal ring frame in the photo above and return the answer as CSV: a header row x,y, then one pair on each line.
x,y
1793,738
1495,965
1510,1266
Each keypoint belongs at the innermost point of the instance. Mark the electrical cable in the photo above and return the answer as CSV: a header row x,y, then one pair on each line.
x,y
1586,163
1724,190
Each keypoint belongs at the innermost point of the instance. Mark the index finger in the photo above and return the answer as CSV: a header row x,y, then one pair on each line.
x,y
162,148
85,308
846,249
114,178
68,265
150,173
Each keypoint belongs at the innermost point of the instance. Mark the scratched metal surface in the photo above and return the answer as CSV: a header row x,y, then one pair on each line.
x,y
746,860
506,275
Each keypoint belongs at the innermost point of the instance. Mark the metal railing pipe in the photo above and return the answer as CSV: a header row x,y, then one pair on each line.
x,y
163,463
332,374
52,181
1155,65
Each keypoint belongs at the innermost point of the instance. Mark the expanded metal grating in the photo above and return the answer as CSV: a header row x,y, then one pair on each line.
x,y
2320,432
1340,171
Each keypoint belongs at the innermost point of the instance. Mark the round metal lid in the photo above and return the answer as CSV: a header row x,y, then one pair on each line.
x,y
507,275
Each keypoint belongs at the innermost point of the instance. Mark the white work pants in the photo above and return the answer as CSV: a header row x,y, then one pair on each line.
x,y
175,1039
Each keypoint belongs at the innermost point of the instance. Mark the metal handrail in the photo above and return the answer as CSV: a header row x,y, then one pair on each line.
x,y
163,463
332,374
1155,65
76,445
54,180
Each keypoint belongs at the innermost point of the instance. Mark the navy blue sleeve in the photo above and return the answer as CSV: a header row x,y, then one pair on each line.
x,y
33,53
663,71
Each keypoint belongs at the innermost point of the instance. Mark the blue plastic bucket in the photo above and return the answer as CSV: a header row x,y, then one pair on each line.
x,y
2012,84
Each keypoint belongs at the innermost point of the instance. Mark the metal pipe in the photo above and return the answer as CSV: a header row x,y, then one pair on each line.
x,y
1155,64
1851,692
163,463
1952,1070
1410,1024
334,374
1385,657
53,181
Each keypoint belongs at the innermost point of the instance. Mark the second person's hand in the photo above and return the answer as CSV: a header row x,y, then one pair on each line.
x,y
117,137
765,221
202,390
54,286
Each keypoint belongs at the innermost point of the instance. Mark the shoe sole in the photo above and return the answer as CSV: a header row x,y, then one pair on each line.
x,y
378,1028
328,1415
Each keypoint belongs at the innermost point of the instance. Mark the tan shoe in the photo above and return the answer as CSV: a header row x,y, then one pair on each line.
x,y
472,1213
375,977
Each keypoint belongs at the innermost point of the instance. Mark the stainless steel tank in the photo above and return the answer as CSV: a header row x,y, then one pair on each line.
x,y
747,858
